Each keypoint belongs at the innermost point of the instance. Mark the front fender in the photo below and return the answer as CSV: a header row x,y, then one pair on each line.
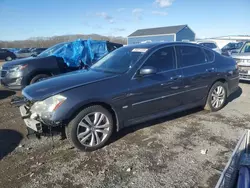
x,y
70,108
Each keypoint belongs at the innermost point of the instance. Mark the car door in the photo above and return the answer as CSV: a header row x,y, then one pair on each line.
x,y
27,53
2,53
198,70
157,92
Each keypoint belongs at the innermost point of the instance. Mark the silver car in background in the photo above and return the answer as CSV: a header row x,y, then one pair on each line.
x,y
23,53
210,44
243,60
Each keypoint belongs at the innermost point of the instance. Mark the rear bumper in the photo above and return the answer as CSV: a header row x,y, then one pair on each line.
x,y
244,71
245,77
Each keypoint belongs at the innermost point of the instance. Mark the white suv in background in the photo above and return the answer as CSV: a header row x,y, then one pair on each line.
x,y
210,44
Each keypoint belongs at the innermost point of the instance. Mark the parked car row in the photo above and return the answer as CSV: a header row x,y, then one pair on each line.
x,y
28,52
9,54
61,58
129,85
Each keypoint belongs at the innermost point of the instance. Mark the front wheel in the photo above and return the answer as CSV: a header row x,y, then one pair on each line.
x,y
90,129
38,78
217,97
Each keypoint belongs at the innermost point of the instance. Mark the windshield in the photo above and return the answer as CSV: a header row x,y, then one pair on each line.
x,y
120,60
239,45
50,51
246,48
232,46
229,46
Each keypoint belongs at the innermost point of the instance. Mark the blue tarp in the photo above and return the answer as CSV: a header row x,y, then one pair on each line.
x,y
86,51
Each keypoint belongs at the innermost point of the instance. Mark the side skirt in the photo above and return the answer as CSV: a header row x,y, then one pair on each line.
x,y
162,114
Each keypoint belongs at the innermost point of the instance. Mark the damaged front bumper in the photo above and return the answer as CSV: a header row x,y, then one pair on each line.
x,y
37,126
33,124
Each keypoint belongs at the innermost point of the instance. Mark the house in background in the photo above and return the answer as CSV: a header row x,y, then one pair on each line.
x,y
162,34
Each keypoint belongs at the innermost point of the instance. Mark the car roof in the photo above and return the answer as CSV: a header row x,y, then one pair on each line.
x,y
158,44
143,45
205,42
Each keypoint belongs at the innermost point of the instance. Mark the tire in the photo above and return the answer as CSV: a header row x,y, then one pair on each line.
x,y
38,78
9,58
211,105
74,130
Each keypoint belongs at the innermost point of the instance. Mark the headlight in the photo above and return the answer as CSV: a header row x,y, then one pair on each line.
x,y
17,68
46,108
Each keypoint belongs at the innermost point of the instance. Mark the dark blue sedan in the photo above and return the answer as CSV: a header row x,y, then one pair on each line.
x,y
132,84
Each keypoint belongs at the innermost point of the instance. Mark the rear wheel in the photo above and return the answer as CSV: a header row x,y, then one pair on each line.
x,y
38,78
217,97
9,58
90,129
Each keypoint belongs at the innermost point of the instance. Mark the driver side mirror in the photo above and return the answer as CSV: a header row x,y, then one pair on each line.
x,y
147,70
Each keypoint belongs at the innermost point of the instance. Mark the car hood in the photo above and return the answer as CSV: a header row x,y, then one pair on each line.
x,y
44,89
18,62
241,56
24,61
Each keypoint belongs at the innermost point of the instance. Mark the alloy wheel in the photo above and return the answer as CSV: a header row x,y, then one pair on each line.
x,y
8,58
218,97
40,79
93,129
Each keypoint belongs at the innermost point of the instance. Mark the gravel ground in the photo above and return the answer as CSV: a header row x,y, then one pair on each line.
x,y
161,153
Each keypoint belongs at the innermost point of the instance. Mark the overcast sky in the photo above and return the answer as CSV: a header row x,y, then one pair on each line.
x,y
22,19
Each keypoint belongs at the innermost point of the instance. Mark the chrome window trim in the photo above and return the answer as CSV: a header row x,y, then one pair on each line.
x,y
176,58
165,96
204,48
195,65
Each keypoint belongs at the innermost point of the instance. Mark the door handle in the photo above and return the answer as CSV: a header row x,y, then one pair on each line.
x,y
175,87
210,70
176,77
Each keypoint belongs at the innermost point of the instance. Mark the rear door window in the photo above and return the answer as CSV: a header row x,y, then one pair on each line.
x,y
163,59
209,55
190,56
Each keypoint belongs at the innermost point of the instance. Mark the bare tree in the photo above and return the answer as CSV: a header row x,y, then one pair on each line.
x,y
50,41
